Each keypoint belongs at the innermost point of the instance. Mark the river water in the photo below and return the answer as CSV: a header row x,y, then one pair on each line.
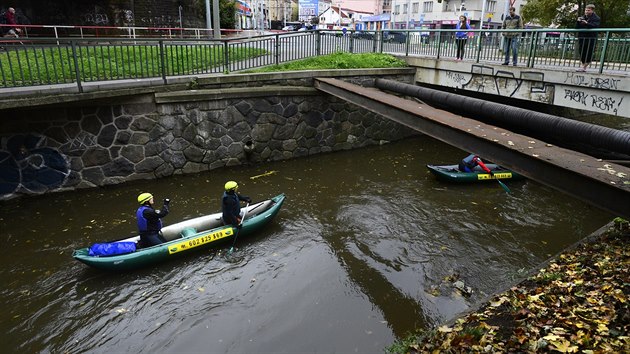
x,y
367,247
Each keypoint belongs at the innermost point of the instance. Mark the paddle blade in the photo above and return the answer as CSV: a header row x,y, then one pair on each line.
x,y
505,188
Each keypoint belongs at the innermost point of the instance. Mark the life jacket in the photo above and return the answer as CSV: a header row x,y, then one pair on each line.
x,y
143,223
228,214
469,161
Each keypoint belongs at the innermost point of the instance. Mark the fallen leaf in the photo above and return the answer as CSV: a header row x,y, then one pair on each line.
x,y
564,346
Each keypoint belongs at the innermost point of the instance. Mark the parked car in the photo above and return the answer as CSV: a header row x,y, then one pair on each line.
x,y
288,28
394,37
363,35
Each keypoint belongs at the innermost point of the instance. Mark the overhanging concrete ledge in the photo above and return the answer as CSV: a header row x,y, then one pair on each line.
x,y
603,184
237,92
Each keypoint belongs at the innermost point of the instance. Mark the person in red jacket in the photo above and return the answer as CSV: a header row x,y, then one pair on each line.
x,y
10,20
469,163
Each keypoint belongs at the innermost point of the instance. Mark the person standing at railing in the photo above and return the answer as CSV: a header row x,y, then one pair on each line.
x,y
9,19
587,40
461,36
512,21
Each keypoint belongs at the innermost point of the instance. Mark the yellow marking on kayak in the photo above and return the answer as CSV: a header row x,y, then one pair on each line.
x,y
502,175
200,240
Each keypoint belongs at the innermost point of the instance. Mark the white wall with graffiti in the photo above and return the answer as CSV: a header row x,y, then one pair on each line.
x,y
601,93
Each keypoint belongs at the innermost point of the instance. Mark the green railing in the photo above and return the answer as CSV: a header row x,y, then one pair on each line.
x,y
52,61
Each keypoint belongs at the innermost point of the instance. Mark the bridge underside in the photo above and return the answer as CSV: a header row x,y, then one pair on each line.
x,y
603,184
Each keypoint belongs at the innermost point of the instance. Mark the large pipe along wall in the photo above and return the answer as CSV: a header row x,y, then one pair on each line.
x,y
585,137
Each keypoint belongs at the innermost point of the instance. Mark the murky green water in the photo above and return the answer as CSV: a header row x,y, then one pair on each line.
x,y
359,255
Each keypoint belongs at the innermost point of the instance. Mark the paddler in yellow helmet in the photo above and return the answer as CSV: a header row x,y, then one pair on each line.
x,y
150,220
231,204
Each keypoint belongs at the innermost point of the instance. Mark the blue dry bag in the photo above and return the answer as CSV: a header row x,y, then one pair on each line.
x,y
111,249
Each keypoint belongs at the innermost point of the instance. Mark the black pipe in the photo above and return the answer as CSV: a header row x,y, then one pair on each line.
x,y
583,136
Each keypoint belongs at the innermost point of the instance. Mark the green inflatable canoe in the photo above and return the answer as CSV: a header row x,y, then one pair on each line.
x,y
186,237
451,173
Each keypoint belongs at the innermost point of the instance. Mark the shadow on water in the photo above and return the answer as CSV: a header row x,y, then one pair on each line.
x,y
402,312
365,249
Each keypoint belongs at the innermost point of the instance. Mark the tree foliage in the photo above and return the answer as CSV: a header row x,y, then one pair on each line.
x,y
227,12
614,13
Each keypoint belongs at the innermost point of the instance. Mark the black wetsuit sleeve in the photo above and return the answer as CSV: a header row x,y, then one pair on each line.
x,y
244,198
156,214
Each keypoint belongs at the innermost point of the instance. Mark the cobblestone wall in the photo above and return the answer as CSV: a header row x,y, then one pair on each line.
x,y
56,149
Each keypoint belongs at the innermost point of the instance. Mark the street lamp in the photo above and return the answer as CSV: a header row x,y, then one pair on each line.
x,y
461,7
181,25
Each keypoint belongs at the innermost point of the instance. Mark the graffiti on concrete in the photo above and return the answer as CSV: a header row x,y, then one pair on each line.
x,y
96,19
127,16
457,78
98,16
528,84
163,21
601,83
591,100
596,93
28,167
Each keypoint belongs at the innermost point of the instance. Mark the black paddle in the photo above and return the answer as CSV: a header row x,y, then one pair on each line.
x,y
238,229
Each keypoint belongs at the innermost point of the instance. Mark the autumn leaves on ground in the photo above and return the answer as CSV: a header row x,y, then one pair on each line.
x,y
577,303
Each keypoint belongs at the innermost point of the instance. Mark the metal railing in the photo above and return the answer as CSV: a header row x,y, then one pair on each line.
x,y
64,31
50,61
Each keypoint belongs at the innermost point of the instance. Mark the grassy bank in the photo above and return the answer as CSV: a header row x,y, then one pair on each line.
x,y
577,303
112,62
339,60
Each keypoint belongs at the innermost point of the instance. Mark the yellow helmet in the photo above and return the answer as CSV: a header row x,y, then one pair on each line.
x,y
144,197
231,185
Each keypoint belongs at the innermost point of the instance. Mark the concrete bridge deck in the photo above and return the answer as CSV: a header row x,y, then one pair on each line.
x,y
603,184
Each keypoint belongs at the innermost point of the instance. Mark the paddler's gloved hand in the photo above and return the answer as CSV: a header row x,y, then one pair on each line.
x,y
248,200
167,201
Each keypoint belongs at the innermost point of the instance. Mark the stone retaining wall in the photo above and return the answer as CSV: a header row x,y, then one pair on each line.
x,y
162,134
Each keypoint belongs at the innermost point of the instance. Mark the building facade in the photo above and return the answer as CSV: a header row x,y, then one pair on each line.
x,y
410,14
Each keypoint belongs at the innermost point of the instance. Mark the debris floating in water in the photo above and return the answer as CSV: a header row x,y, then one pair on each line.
x,y
268,173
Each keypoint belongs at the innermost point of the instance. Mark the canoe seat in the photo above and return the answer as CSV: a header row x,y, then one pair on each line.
x,y
207,222
202,223
188,231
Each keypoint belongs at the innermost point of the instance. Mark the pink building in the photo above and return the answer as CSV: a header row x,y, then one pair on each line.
x,y
370,6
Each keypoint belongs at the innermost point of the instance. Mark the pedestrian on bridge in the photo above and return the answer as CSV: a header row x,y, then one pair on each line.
x,y
461,36
9,19
512,21
587,39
